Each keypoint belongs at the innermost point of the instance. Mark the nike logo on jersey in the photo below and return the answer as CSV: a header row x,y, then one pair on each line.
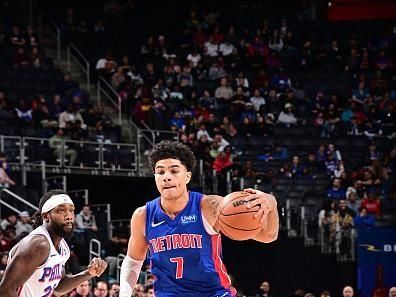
x,y
156,224
53,255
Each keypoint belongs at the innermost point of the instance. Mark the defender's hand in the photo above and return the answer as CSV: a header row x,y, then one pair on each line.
x,y
97,267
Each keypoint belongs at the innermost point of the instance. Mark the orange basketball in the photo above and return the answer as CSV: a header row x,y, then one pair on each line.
x,y
235,220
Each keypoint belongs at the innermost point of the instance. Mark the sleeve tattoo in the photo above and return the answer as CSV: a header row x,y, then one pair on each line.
x,y
213,204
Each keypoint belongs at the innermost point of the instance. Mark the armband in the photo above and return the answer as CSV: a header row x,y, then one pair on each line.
x,y
129,274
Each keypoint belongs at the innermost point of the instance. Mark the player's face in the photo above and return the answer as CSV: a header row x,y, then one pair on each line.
x,y
171,178
62,220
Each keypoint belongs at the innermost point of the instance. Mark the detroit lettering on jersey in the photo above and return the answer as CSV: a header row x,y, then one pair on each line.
x,y
176,241
52,273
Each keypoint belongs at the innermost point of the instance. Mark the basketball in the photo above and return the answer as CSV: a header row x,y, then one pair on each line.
x,y
236,221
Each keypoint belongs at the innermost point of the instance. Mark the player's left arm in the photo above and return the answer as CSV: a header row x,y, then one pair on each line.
x,y
267,213
210,205
69,282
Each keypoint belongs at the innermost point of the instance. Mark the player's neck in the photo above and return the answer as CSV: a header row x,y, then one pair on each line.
x,y
54,238
173,206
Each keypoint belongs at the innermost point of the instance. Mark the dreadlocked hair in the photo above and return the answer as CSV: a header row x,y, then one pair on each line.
x,y
167,149
36,219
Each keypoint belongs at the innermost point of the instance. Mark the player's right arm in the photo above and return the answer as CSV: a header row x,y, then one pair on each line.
x,y
30,254
137,249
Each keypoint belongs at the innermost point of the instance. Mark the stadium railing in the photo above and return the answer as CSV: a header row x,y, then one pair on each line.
x,y
15,202
108,92
74,53
55,32
92,157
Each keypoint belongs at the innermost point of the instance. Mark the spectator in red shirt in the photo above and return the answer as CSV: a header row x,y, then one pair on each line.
x,y
258,48
372,204
141,110
199,38
218,37
221,162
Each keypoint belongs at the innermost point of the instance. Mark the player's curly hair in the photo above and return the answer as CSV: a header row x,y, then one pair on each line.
x,y
36,219
167,149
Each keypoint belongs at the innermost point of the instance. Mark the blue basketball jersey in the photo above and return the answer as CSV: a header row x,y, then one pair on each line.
x,y
185,259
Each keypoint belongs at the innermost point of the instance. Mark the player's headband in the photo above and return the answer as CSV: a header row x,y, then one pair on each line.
x,y
54,201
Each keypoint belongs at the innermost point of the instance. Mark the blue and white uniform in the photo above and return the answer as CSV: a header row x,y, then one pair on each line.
x,y
185,252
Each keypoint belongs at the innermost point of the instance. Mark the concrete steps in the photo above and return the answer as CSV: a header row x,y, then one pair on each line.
x,y
50,46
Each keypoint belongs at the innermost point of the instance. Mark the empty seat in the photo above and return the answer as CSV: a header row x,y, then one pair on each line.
x,y
12,149
284,181
249,182
303,188
291,194
126,159
303,181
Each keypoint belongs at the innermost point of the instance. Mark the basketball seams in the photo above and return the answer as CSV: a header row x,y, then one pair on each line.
x,y
237,213
229,235
239,229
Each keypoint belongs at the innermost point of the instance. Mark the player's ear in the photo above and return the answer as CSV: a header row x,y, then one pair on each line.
x,y
189,175
45,217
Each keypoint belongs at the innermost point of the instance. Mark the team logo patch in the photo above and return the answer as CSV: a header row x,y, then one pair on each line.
x,y
188,219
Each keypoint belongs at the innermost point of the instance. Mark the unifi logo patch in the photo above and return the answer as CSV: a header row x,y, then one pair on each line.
x,y
189,219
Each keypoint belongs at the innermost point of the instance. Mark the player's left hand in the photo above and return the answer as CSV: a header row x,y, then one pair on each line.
x,y
266,202
97,266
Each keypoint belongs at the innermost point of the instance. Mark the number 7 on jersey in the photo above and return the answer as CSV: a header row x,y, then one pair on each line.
x,y
179,266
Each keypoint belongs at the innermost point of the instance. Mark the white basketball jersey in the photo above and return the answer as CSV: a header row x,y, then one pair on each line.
x,y
46,277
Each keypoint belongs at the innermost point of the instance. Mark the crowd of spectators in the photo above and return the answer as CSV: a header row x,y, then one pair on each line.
x,y
12,229
222,81
40,101
354,199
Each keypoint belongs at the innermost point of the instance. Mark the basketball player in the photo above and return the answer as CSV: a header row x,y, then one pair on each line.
x,y
36,264
179,229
